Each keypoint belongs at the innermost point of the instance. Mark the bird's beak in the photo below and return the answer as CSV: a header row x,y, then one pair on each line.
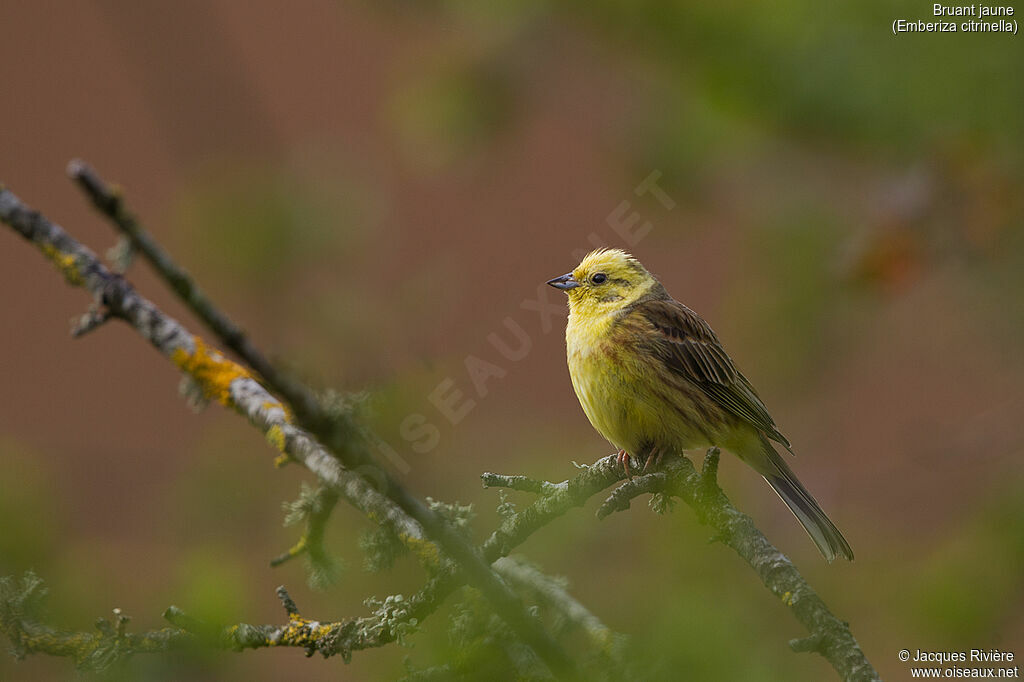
x,y
565,282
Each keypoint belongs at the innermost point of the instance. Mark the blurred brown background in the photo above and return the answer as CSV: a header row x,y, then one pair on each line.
x,y
373,188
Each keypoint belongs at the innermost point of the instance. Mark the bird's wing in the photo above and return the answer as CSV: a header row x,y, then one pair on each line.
x,y
688,347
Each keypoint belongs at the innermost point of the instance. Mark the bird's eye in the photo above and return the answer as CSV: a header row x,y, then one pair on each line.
x,y
599,278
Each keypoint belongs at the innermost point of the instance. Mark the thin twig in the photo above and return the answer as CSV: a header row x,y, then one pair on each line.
x,y
522,483
620,498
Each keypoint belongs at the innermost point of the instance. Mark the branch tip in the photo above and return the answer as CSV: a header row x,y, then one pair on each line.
x,y
75,168
812,644
92,319
517,482
286,600
289,554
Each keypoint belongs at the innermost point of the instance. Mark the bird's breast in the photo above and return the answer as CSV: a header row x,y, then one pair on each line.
x,y
606,375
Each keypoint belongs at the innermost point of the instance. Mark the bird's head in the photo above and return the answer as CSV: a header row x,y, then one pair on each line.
x,y
605,280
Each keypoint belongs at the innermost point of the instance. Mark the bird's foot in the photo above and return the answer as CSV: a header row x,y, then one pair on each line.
x,y
623,460
653,459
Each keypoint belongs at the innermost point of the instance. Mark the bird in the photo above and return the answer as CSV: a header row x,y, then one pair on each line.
x,y
653,379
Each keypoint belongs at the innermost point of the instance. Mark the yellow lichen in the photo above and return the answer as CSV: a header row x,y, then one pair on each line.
x,y
298,548
424,550
213,372
65,262
788,599
275,436
301,632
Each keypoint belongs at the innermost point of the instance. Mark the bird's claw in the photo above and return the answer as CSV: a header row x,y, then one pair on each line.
x,y
653,459
623,460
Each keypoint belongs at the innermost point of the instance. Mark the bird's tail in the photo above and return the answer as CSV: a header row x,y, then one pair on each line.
x,y
783,481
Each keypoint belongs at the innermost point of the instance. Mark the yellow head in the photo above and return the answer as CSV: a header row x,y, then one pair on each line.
x,y
606,280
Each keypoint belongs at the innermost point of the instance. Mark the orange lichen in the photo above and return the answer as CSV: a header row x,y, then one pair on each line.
x,y
213,372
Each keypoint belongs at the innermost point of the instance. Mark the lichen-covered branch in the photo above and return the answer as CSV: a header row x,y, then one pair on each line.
x,y
563,496
20,603
620,498
303,429
217,377
232,385
829,636
336,431
20,620
110,202
832,636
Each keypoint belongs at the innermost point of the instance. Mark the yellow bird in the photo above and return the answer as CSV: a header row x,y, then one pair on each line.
x,y
653,379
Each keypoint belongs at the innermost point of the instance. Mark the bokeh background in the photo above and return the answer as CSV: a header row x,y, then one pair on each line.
x,y
373,188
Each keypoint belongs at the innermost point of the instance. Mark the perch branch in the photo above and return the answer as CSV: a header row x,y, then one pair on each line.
x,y
831,637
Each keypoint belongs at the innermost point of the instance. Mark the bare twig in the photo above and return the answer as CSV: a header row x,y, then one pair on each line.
x,y
620,498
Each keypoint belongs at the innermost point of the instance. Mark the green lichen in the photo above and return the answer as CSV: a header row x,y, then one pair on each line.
x,y
660,503
393,615
381,548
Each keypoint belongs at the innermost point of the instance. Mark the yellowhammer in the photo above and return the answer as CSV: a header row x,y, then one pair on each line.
x,y
653,378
